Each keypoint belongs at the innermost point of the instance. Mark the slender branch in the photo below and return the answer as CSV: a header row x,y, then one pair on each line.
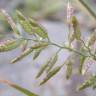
x,y
87,48
68,48
61,47
30,39
88,9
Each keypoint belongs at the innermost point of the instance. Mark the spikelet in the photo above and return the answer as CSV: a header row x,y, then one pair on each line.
x,y
76,27
43,68
28,51
33,23
24,23
69,70
92,39
22,55
10,21
23,90
39,30
51,74
18,88
90,82
8,45
37,53
52,62
82,60
39,45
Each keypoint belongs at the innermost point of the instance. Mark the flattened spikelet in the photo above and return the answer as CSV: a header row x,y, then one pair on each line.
x,y
22,55
52,62
92,39
39,30
82,60
76,28
37,53
90,82
39,45
10,21
69,70
51,74
43,68
19,88
24,23
8,45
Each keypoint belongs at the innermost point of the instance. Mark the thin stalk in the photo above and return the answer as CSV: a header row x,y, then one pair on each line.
x,y
87,48
88,9
59,46
68,48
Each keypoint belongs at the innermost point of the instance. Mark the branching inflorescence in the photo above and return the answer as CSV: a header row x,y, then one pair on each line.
x,y
41,41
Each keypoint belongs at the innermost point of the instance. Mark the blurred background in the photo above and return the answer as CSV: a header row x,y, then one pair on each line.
x,y
52,15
